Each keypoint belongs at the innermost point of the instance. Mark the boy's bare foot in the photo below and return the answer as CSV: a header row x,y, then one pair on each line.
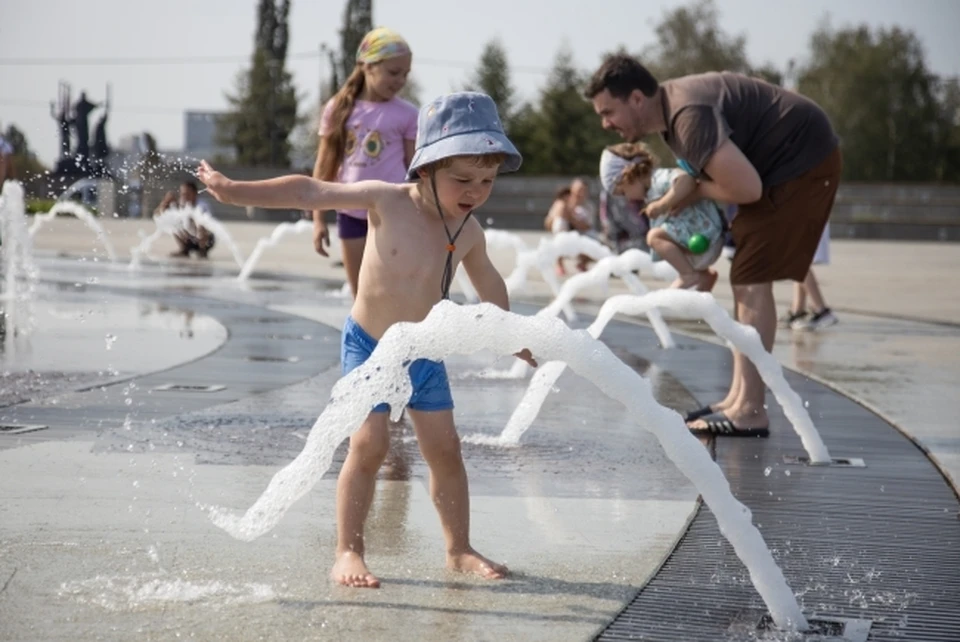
x,y
474,563
351,570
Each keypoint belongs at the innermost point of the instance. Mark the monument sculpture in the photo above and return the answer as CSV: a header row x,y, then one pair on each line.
x,y
78,159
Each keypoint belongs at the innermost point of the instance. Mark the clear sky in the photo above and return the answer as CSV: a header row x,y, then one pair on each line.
x,y
211,41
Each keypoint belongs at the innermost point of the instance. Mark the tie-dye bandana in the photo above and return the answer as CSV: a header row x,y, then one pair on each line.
x,y
381,44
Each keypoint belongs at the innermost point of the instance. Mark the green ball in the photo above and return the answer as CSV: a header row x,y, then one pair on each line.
x,y
698,244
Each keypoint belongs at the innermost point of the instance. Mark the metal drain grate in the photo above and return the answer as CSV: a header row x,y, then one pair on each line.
x,y
274,359
848,462
181,387
822,629
876,542
293,337
19,429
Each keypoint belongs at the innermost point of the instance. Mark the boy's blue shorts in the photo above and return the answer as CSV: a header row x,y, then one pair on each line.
x,y
431,387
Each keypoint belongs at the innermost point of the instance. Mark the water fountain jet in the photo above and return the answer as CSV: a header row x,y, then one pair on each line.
x,y
451,329
80,212
281,230
20,274
694,305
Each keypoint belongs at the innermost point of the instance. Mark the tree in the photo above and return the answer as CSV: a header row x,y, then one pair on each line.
x,y
24,160
690,41
524,126
564,135
264,108
357,22
769,73
948,131
492,77
305,137
882,101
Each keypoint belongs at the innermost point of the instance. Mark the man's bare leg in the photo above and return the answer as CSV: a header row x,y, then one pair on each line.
x,y
440,446
736,384
355,489
736,378
755,307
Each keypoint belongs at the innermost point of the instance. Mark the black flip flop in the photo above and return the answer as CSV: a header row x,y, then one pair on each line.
x,y
719,426
699,412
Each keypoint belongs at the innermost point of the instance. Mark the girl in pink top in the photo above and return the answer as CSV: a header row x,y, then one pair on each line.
x,y
366,133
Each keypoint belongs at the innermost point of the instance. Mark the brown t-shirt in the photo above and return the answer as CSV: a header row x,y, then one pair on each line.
x,y
783,134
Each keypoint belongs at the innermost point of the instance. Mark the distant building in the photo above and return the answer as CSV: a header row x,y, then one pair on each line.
x,y
200,135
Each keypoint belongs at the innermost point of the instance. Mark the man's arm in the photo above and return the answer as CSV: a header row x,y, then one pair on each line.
x,y
732,179
722,171
295,192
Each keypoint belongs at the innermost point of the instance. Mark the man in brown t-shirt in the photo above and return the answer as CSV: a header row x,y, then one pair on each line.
x,y
747,142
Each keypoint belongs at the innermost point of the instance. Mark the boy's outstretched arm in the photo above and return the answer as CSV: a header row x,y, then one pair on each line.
x,y
295,192
489,284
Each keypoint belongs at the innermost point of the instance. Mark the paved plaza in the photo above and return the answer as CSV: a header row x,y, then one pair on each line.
x,y
173,386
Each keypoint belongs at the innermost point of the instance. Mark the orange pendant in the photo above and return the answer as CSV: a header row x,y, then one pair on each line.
x,y
451,247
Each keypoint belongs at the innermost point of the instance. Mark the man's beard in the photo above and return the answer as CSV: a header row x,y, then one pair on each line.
x,y
637,134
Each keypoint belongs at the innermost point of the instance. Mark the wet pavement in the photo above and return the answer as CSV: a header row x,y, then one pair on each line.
x,y
102,536
73,342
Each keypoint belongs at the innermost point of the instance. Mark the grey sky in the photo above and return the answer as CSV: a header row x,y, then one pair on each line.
x,y
443,34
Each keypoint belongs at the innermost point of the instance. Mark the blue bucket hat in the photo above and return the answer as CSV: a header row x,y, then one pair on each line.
x,y
462,124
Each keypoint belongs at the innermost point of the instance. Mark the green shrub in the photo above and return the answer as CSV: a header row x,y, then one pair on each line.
x,y
39,205
43,205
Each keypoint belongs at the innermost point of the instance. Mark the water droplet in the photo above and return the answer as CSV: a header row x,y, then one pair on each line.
x,y
110,339
128,401
767,471
787,473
